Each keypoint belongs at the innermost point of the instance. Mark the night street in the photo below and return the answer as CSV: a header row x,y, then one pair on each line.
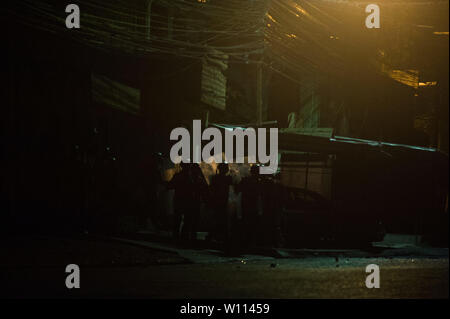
x,y
238,150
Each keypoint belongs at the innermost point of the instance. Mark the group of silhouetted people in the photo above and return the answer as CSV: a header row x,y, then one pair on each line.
x,y
261,206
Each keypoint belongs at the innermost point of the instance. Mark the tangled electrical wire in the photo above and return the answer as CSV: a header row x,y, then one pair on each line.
x,y
290,37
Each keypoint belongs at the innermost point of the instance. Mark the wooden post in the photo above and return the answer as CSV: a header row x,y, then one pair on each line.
x,y
259,98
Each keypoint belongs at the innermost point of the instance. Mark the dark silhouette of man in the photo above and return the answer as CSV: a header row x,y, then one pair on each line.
x,y
182,183
250,187
220,188
190,188
200,193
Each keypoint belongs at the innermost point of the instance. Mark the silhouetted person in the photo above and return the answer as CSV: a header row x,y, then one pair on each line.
x,y
199,194
181,182
189,187
250,187
220,189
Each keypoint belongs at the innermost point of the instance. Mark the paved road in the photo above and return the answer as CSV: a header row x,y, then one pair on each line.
x,y
293,278
36,269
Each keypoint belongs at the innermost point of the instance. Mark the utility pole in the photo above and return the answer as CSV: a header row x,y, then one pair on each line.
x,y
259,69
259,92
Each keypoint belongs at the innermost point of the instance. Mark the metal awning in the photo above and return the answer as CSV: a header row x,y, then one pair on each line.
x,y
292,140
